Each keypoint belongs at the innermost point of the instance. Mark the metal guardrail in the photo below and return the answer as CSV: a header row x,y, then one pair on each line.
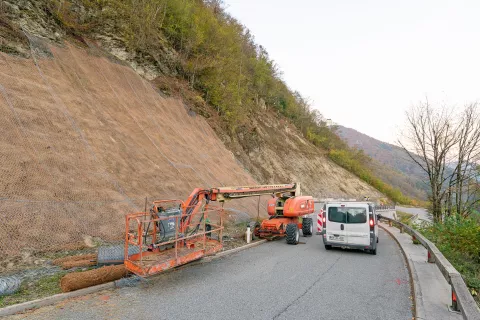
x,y
462,300
384,208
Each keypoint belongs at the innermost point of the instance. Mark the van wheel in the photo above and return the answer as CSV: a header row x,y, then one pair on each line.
x,y
328,247
374,251
292,233
307,226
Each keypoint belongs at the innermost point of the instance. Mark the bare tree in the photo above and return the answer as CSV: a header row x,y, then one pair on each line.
x,y
430,137
468,156
447,148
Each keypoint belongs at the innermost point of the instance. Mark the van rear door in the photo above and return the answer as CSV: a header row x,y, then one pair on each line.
x,y
336,220
357,227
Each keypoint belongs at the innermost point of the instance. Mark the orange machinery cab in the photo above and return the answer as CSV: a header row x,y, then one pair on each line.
x,y
283,212
291,207
298,206
274,205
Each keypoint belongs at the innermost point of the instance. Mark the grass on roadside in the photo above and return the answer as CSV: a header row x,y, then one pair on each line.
x,y
36,289
459,241
403,217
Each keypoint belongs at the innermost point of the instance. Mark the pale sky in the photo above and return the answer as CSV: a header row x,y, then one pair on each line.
x,y
363,63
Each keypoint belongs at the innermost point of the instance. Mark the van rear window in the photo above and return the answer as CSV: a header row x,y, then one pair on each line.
x,y
347,215
336,214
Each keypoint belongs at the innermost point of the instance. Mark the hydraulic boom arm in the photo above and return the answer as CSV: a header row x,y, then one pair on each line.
x,y
195,200
169,236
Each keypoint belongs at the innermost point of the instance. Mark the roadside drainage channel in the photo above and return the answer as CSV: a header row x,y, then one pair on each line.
x,y
35,304
433,298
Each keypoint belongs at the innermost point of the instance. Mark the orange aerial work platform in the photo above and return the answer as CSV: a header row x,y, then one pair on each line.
x,y
154,255
174,232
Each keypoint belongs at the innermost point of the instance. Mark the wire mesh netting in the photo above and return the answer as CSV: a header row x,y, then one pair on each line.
x,y
83,141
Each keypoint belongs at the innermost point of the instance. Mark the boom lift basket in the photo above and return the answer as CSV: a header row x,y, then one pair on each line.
x,y
162,244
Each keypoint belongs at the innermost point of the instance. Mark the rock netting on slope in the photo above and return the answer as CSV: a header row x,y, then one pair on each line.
x,y
83,141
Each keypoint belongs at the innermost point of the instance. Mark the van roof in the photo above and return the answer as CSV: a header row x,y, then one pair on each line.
x,y
350,202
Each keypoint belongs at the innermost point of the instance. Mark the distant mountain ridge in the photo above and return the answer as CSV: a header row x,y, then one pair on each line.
x,y
390,162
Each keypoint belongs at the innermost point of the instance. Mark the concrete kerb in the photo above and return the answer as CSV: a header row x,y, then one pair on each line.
x,y
35,304
21,307
418,309
235,250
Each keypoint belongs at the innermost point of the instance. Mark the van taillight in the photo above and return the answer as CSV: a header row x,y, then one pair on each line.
x,y
324,217
372,223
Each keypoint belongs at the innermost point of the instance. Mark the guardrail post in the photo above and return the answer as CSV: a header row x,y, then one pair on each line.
x,y
430,257
454,306
401,229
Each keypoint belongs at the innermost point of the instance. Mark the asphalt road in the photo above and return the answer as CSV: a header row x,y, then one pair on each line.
x,y
422,213
271,281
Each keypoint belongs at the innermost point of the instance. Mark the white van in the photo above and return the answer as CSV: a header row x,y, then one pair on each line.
x,y
350,225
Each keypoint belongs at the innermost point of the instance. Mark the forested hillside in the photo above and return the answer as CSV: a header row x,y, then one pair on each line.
x,y
391,162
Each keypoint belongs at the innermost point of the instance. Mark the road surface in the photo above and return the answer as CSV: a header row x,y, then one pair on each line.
x,y
422,213
271,281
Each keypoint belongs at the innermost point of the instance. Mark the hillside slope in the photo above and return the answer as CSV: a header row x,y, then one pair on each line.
x,y
395,167
84,139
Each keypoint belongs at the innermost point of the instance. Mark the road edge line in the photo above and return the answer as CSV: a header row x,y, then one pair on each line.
x,y
415,290
46,301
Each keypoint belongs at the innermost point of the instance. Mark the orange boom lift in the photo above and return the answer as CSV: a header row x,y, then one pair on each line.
x,y
175,232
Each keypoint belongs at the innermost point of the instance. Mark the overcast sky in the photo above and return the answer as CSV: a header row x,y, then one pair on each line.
x,y
364,63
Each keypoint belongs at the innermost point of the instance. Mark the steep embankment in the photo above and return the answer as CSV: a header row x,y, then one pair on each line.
x,y
274,150
84,139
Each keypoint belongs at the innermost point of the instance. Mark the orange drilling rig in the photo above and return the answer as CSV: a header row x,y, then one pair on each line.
x,y
176,232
